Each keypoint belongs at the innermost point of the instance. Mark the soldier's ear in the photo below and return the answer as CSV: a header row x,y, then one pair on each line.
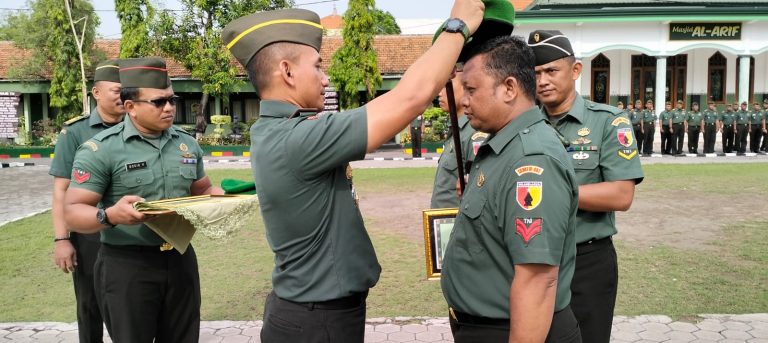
x,y
285,71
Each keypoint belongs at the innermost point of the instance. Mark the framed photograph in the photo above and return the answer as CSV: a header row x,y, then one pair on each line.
x,y
438,225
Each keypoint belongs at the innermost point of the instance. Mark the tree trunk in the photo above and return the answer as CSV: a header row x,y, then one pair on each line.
x,y
79,42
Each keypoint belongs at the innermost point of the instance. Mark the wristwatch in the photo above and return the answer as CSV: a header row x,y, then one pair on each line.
x,y
101,216
456,25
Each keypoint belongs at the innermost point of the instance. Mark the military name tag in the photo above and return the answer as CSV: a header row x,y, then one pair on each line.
x,y
136,165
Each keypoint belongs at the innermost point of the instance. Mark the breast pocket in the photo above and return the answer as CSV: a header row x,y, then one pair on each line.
x,y
448,162
182,185
472,207
585,160
136,179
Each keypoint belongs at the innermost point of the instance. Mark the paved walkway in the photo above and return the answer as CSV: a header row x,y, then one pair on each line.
x,y
751,328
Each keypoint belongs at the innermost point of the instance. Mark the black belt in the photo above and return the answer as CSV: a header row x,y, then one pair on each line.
x,y
593,245
467,318
649,123
352,301
638,124
693,127
140,248
709,124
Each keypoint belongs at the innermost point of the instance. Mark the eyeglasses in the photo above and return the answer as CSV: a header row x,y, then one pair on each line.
x,y
160,103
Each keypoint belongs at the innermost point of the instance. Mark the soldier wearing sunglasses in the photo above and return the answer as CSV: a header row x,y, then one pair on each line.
x,y
147,290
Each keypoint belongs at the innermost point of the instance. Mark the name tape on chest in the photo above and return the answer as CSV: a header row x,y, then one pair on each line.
x,y
136,165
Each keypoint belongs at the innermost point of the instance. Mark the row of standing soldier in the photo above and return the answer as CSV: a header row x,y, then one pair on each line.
x,y
735,124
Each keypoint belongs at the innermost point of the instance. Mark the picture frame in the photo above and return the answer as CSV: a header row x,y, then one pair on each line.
x,y
438,226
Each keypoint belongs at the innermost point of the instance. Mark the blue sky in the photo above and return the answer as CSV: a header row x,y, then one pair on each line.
x,y
414,16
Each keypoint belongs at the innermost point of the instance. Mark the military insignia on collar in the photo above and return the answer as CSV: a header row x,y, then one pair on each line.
x,y
581,141
480,181
529,170
528,228
580,155
91,145
529,194
627,154
620,120
80,175
625,137
584,131
183,147
479,134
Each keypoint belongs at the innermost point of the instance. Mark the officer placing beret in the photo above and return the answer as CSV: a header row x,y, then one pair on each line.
x,y
75,252
324,260
607,169
515,229
147,290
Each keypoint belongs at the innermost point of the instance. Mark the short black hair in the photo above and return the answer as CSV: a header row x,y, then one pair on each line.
x,y
129,93
259,67
510,56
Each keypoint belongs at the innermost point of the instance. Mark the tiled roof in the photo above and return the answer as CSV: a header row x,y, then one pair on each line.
x,y
332,22
395,54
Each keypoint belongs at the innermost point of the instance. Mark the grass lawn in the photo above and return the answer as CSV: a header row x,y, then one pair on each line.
x,y
236,272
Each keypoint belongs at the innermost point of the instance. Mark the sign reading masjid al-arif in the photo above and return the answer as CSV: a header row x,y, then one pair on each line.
x,y
705,31
9,114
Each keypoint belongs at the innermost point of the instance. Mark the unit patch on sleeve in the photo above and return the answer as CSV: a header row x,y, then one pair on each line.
x,y
624,135
627,154
529,194
620,120
528,228
529,170
80,175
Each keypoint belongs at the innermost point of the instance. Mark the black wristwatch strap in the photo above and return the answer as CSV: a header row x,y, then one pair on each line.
x,y
56,239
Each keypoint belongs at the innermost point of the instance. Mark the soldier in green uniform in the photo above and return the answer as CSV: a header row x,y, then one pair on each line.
x,y
607,170
620,105
516,226
755,128
444,190
764,147
649,128
710,117
417,129
742,128
636,116
677,128
666,141
75,252
693,123
147,290
324,260
727,125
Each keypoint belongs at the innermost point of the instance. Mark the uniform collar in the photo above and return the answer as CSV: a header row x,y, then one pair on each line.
x,y
282,109
576,111
463,121
95,118
525,120
130,130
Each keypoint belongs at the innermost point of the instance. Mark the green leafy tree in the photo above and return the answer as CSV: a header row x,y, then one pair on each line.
x,y
385,23
354,65
134,17
193,38
46,34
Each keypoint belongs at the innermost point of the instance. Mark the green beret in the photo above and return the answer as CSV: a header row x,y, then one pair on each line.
x,y
549,45
108,70
145,72
234,186
498,20
246,36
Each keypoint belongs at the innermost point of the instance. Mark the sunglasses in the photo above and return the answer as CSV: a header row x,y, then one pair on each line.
x,y
160,103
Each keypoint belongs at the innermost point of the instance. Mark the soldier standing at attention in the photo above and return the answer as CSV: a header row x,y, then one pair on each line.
x,y
147,290
727,125
444,190
764,146
742,128
666,141
324,259
649,128
607,169
710,117
677,128
620,105
636,116
76,252
693,123
519,208
417,129
755,128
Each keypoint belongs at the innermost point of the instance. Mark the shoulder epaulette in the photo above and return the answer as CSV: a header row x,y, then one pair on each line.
x,y
76,119
615,111
109,132
178,128
530,141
